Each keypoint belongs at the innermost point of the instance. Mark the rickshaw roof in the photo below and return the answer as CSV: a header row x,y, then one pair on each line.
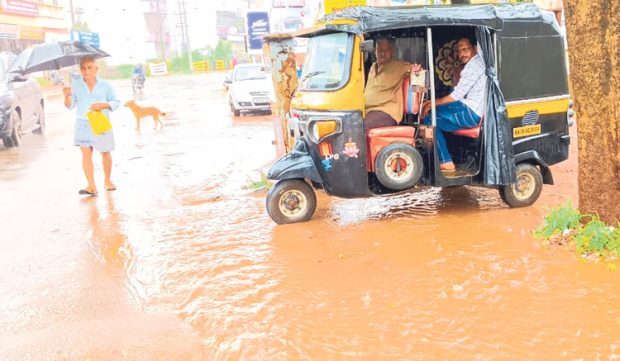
x,y
364,19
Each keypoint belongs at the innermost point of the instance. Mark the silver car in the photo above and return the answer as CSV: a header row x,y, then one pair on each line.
x,y
21,105
250,89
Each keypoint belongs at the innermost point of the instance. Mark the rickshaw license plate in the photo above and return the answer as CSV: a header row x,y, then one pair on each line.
x,y
261,100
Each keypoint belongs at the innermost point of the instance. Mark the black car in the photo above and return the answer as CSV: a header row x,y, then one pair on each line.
x,y
21,104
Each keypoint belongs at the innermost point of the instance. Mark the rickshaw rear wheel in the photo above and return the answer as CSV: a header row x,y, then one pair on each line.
x,y
399,166
291,201
527,188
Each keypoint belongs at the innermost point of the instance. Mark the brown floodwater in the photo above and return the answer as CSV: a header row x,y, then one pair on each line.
x,y
183,262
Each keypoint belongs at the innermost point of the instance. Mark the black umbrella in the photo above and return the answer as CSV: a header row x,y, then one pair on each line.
x,y
53,56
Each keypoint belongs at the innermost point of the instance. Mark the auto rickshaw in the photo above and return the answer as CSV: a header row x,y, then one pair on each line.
x,y
524,130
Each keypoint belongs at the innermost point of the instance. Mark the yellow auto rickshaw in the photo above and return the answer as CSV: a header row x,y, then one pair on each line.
x,y
525,127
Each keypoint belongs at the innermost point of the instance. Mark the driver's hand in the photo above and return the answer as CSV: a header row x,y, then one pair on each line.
x,y
426,108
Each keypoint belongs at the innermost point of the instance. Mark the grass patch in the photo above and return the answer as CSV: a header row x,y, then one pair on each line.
x,y
590,237
262,184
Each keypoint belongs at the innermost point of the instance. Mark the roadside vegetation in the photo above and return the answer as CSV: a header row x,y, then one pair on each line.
x,y
586,234
177,64
258,185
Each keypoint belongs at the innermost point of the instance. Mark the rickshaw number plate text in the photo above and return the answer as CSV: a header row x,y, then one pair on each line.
x,y
525,131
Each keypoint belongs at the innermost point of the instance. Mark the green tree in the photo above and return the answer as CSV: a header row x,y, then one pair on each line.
x,y
222,51
82,26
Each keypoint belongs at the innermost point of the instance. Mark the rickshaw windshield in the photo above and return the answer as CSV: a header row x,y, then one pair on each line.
x,y
327,62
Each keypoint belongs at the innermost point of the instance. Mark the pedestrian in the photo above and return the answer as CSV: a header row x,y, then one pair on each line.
x,y
91,93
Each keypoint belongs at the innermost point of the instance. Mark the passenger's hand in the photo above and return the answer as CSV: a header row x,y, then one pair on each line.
x,y
66,90
415,68
99,106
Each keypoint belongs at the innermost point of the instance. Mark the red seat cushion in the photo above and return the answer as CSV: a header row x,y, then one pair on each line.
x,y
395,132
469,132
405,94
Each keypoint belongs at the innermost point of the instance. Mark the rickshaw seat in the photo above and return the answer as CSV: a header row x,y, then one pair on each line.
x,y
469,132
392,132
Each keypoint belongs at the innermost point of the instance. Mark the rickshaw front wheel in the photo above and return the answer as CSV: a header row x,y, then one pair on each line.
x,y
291,201
527,188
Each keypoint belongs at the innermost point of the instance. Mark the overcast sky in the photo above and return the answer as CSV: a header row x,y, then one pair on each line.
x,y
122,31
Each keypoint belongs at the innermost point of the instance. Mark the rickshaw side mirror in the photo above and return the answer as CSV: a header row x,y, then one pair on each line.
x,y
367,46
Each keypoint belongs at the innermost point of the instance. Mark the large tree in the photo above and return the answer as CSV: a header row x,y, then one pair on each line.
x,y
594,52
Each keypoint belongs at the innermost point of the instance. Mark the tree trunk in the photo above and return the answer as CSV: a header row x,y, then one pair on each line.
x,y
594,54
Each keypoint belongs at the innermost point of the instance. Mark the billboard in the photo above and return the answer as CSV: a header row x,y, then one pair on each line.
x,y
258,26
228,23
20,7
332,6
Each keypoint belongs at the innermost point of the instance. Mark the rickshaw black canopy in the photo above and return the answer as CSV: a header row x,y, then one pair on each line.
x,y
370,19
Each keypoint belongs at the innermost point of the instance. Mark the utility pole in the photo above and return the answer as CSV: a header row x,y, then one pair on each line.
x,y
72,18
185,31
161,31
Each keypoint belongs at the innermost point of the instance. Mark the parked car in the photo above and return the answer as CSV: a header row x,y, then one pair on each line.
x,y
250,89
21,104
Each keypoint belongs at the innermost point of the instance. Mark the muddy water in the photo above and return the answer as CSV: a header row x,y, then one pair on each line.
x,y
432,274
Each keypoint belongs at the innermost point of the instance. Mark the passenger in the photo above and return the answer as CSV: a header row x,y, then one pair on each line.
x,y
464,107
383,93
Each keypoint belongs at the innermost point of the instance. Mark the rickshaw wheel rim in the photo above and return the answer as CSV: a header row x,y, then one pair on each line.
x,y
292,203
404,173
525,186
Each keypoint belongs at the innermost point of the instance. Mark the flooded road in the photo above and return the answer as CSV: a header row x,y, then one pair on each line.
x,y
182,261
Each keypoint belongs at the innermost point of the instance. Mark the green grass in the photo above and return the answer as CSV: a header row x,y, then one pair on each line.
x,y
586,232
262,183
558,221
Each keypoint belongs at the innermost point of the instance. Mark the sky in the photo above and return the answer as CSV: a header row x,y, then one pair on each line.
x,y
122,31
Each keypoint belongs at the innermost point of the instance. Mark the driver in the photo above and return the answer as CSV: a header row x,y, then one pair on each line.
x,y
464,107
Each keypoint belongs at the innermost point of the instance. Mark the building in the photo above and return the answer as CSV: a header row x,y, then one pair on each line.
x,y
25,23
157,27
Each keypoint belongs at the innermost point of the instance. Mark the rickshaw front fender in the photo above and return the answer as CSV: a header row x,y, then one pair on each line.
x,y
295,165
534,157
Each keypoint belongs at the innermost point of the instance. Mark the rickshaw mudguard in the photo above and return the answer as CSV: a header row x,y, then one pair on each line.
x,y
533,156
296,164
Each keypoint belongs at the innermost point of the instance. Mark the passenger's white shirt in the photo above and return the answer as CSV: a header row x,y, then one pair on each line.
x,y
471,88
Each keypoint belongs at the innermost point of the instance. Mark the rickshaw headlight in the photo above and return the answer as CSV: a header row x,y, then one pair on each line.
x,y
323,128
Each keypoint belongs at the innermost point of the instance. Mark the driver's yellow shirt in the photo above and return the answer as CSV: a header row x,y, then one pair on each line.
x,y
384,90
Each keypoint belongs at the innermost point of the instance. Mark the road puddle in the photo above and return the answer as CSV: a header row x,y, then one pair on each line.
x,y
434,273
429,274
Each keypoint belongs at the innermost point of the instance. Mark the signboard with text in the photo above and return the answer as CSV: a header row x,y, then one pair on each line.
x,y
332,6
8,31
89,38
158,68
228,23
20,7
257,27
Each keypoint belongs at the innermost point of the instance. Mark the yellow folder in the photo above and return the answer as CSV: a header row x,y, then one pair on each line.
x,y
99,123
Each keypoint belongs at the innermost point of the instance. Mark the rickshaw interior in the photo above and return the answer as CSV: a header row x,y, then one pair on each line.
x,y
465,145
